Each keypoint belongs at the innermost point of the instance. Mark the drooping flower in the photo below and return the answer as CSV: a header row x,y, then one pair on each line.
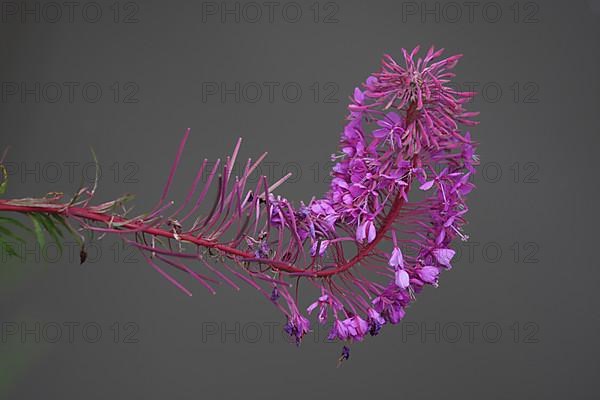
x,y
338,331
390,304
263,250
275,294
297,326
428,274
401,278
444,256
345,354
375,321
351,328
323,302
357,327
367,231
396,260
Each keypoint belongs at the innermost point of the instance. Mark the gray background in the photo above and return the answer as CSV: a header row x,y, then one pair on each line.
x,y
528,288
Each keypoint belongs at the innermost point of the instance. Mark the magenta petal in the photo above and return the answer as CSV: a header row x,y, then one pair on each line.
x,y
444,256
381,133
402,278
427,185
359,96
394,118
396,259
310,308
429,274
361,232
322,247
372,232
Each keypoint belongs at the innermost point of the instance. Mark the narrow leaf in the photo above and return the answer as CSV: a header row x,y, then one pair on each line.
x,y
9,249
38,230
53,230
7,232
16,223
3,179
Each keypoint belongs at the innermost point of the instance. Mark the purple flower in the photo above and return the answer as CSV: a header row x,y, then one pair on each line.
x,y
401,278
391,125
357,327
344,355
357,170
437,108
323,303
352,328
367,231
375,321
274,294
322,207
444,256
429,274
345,352
263,250
390,304
357,107
396,260
297,326
338,331
321,245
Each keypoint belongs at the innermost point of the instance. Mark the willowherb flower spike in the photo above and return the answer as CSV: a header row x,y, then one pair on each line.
x,y
366,246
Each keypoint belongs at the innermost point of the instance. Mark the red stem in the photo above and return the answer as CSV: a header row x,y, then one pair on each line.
x,y
382,231
85,213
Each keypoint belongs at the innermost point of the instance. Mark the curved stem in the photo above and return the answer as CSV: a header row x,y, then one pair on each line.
x,y
366,250
232,252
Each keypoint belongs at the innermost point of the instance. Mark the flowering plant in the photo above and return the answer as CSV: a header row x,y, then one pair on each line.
x,y
366,245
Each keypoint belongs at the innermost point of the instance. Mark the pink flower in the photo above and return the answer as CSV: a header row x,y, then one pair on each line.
x,y
402,278
321,245
396,260
366,230
375,320
322,302
297,326
429,274
391,125
444,256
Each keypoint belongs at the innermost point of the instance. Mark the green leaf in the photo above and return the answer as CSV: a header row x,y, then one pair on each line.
x,y
3,179
9,233
63,221
38,231
4,229
52,230
43,222
16,223
10,250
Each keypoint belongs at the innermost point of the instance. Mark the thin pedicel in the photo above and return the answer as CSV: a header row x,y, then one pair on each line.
x,y
365,245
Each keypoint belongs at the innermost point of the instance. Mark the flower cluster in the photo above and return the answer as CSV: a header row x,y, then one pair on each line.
x,y
402,133
381,233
